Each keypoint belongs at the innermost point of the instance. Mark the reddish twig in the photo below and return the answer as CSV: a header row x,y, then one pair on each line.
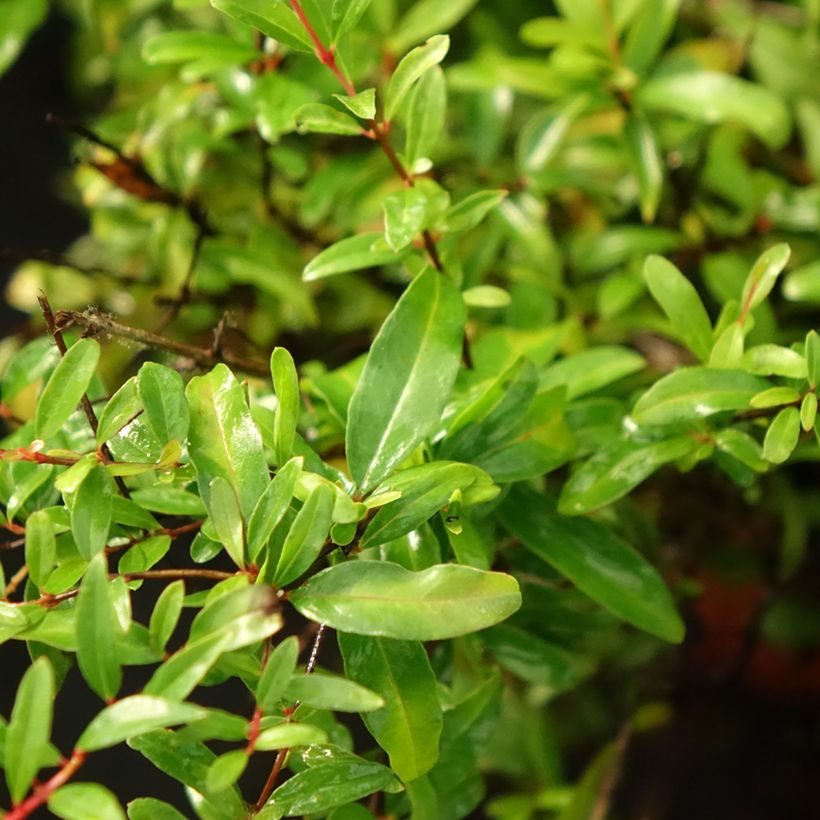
x,y
42,793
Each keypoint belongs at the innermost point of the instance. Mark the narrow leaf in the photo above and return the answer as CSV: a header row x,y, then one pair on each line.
x,y
166,614
272,506
286,385
366,250
91,513
277,673
41,546
410,68
85,801
331,692
227,519
782,435
163,395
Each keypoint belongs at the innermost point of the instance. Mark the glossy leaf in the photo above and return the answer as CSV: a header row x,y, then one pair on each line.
x,y
166,614
184,670
334,693
98,629
317,118
286,385
409,726
149,808
181,46
410,68
695,392
307,534
404,213
366,250
272,506
118,411
29,730
277,673
223,440
597,561
91,513
40,547
226,770
227,519
163,395
134,716
66,387
363,104
406,380
681,303
383,599
763,275
782,435
85,801
426,109
286,735
275,20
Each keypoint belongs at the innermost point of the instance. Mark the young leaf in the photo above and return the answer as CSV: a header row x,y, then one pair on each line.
x,y
226,770
41,546
163,395
285,735
344,14
317,118
384,599
782,435
119,410
133,716
286,385
365,250
272,506
166,614
66,387
149,808
97,631
808,411
223,440
306,536
424,121
363,104
85,801
812,349
407,379
597,561
227,519
410,68
275,20
331,692
91,513
409,726
681,303
29,730
404,213
763,275
276,674
727,352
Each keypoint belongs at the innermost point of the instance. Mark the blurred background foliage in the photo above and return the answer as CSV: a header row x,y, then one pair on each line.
x,y
618,129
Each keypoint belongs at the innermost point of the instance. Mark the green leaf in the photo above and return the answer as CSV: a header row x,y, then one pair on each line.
x,y
616,469
41,547
407,378
29,730
544,134
486,296
384,599
424,491
743,447
166,614
275,20
317,118
227,519
648,163
149,808
91,513
188,762
277,672
366,250
591,369
134,716
424,18
322,787
649,31
774,396
803,284
184,670
695,392
774,360
681,303
183,46
727,352
223,440
285,735
782,435
808,411
812,351
344,14
410,68
66,387
713,97
97,631
363,104
306,536
85,801
763,275
425,115
471,210
331,692
596,560
119,410
404,213
272,506
409,726
226,770
286,385
18,20
163,395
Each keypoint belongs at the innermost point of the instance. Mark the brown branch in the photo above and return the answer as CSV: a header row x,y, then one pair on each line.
x,y
42,793
15,581
57,335
98,322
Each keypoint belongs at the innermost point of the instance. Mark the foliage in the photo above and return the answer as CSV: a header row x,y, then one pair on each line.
x,y
586,252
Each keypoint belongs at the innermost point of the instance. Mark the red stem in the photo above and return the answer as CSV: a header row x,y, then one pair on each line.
x,y
42,793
